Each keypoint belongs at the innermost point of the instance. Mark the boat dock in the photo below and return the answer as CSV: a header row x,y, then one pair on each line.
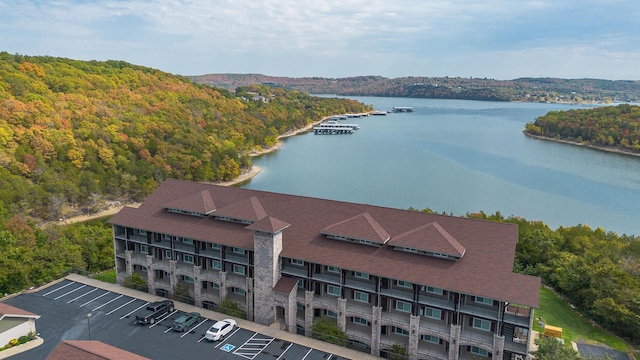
x,y
402,109
334,127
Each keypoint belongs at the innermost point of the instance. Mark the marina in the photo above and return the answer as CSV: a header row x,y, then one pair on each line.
x,y
334,127
402,109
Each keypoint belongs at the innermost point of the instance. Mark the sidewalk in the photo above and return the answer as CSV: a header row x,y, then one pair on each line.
x,y
266,330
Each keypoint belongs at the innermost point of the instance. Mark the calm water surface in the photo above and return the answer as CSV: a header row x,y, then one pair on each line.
x,y
460,156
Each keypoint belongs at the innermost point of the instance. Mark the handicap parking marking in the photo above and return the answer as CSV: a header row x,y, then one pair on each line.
x,y
54,290
227,338
253,347
94,299
143,305
227,347
78,297
69,292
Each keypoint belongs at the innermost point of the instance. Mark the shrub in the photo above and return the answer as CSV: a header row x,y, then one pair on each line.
x,y
230,307
327,331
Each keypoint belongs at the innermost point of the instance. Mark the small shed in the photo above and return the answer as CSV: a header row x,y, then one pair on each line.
x,y
15,322
553,331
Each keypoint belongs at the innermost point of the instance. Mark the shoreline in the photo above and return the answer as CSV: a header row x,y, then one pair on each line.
x,y
569,142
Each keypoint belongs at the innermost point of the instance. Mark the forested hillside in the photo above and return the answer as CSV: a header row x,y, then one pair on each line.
x,y
75,133
523,89
608,127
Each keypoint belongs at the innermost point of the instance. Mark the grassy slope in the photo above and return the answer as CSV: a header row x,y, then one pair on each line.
x,y
553,311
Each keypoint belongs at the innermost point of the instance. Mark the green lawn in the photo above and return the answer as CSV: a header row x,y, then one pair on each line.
x,y
553,311
106,276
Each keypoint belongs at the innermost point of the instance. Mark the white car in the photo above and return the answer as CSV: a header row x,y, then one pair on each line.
x,y
220,329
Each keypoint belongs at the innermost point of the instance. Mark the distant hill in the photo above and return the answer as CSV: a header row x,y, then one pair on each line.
x,y
523,89
74,134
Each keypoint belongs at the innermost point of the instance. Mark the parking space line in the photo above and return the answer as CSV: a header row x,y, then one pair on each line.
x,y
108,302
67,293
85,294
143,305
307,354
253,347
285,350
54,290
121,306
94,299
230,335
162,319
169,329
193,328
330,356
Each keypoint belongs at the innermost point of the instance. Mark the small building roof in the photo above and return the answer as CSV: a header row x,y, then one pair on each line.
x,y
269,225
362,227
430,237
200,203
90,350
249,209
8,310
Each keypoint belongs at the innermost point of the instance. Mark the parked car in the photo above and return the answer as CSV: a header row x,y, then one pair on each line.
x,y
154,311
185,321
220,329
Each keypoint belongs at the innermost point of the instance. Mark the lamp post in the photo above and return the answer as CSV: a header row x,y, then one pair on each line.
x,y
89,324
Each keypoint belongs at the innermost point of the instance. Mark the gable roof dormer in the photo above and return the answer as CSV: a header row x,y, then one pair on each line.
x,y
197,204
430,239
363,229
269,225
246,211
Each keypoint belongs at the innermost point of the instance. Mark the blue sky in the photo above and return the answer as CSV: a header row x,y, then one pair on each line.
x,y
500,39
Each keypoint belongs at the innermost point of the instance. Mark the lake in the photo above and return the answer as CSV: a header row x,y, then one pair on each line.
x,y
459,156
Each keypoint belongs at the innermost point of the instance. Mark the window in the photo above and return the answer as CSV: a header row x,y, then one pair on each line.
x,y
216,264
430,338
299,306
215,246
331,314
239,250
238,269
167,254
297,262
142,232
400,331
144,249
361,296
187,258
434,290
404,284
333,269
187,279
361,275
333,290
301,284
411,250
484,300
166,237
361,321
431,312
482,324
187,241
239,291
403,306
477,350
367,242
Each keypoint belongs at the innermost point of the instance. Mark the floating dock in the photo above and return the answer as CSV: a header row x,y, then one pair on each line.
x,y
402,109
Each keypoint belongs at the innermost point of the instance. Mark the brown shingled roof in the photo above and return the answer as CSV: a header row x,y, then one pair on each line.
x,y
429,237
201,203
8,310
285,285
269,225
362,227
486,269
90,350
246,209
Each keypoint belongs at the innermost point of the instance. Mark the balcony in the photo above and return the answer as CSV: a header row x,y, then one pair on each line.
x,y
215,254
429,350
437,326
181,246
235,258
165,244
142,239
517,315
358,308
138,258
236,280
210,275
360,285
164,282
325,277
358,332
517,345
476,337
211,295
294,270
398,293
184,268
396,318
488,313
438,302
161,264
326,302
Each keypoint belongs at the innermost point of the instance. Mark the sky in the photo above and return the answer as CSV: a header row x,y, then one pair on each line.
x,y
498,39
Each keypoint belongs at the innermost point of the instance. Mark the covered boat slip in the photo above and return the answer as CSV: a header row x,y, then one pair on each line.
x,y
332,130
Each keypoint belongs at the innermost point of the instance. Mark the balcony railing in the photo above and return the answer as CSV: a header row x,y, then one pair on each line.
x,y
432,350
210,275
329,278
188,248
184,268
359,308
439,327
215,254
398,293
294,270
478,337
327,302
165,282
480,311
236,280
142,239
161,264
437,302
519,346
358,332
361,285
139,258
238,259
165,244
396,317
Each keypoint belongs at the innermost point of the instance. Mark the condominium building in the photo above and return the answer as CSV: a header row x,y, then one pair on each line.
x,y
442,286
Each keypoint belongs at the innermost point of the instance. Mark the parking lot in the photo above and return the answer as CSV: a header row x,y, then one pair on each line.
x,y
74,311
